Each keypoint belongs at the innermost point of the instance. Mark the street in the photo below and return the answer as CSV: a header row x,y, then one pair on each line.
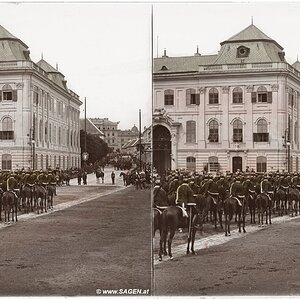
x,y
97,237
264,262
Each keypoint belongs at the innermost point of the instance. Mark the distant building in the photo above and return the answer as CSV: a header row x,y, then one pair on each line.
x,y
109,129
114,137
236,109
91,128
39,115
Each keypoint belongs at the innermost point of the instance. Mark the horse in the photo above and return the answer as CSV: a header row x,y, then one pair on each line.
x,y
123,174
251,199
281,198
216,208
10,203
40,195
264,204
238,206
50,192
171,219
294,196
27,196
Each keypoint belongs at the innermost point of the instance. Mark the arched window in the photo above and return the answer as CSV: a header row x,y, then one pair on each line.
x,y
237,131
50,133
261,164
213,96
213,135
7,132
6,162
237,95
169,97
213,164
191,132
262,95
262,134
191,97
191,163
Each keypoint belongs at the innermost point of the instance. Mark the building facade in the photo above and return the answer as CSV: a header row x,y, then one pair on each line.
x,y
39,115
236,110
114,137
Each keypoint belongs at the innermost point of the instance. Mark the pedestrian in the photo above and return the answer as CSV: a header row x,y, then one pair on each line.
x,y
113,175
79,177
84,178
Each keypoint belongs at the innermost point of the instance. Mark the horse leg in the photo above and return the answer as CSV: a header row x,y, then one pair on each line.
x,y
161,242
220,218
193,240
215,217
244,222
226,223
170,239
239,221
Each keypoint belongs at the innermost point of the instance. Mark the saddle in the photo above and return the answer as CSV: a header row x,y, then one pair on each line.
x,y
160,209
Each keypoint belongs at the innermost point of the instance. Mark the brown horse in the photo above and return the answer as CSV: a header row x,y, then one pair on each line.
x,y
10,204
50,192
216,209
251,199
238,206
294,196
173,218
264,204
281,199
40,195
27,198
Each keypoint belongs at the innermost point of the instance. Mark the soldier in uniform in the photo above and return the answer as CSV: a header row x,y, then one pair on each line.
x,y
12,185
184,194
51,180
160,198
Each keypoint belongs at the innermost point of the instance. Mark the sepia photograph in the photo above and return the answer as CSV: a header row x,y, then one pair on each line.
x,y
226,90
75,146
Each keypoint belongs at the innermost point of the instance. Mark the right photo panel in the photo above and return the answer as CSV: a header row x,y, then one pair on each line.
x,y
226,109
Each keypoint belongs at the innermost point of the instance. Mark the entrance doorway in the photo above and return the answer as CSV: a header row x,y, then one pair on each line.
x,y
161,149
237,164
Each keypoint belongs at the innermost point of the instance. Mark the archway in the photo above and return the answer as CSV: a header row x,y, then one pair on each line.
x,y
161,149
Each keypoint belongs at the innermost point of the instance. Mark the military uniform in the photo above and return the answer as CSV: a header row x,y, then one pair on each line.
x,y
159,196
184,194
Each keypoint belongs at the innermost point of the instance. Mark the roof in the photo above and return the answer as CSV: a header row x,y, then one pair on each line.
x,y
250,33
90,127
103,121
12,48
296,65
182,64
6,35
261,49
46,66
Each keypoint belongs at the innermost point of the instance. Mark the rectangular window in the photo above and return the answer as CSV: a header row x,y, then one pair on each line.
x,y
213,136
261,167
191,132
7,96
6,135
213,167
6,164
169,99
262,98
261,137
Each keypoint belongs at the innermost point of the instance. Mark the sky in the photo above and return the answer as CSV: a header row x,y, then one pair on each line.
x,y
181,27
103,49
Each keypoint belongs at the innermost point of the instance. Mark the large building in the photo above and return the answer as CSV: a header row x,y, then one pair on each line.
x,y
114,137
235,110
39,115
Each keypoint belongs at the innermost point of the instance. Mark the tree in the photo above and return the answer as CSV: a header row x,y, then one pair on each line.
x,y
95,147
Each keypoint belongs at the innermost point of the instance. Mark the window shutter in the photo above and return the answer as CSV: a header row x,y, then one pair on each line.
x,y
253,97
197,99
269,99
188,97
14,95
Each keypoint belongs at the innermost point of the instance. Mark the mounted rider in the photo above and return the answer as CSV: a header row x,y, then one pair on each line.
x,y
51,180
266,187
237,190
12,185
184,194
160,198
296,181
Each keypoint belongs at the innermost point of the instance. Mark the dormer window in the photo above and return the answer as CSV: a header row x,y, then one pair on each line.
x,y
242,51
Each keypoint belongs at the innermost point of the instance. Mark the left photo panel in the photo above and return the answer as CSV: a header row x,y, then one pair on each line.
x,y
75,147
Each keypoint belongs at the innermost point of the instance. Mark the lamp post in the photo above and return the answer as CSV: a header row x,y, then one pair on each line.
x,y
33,154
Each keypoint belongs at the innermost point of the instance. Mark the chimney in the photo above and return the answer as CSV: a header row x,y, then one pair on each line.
x,y
197,53
165,53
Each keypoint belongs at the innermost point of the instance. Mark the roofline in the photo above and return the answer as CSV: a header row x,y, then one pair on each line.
x,y
254,40
14,39
186,56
